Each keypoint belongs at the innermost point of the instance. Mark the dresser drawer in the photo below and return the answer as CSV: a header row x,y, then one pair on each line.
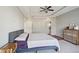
x,y
75,32
68,38
68,31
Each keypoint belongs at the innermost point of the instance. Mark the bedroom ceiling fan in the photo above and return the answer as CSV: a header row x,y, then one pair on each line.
x,y
46,9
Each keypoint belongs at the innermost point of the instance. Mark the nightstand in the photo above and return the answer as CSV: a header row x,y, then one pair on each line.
x,y
8,48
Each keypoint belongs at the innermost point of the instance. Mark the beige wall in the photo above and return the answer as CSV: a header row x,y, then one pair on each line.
x,y
10,20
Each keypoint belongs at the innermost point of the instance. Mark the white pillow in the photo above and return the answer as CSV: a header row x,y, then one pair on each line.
x,y
22,37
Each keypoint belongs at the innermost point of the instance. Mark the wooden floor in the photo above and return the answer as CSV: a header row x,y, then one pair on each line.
x,y
59,38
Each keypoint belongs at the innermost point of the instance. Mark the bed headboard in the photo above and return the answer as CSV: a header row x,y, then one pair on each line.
x,y
14,34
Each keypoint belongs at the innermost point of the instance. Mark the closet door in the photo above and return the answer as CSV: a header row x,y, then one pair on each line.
x,y
28,26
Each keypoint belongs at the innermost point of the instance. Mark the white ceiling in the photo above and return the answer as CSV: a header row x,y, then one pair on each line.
x,y
34,11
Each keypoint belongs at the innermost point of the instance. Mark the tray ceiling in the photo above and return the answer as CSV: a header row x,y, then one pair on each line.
x,y
34,11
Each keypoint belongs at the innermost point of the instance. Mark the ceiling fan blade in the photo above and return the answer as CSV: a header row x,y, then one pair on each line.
x,y
42,8
49,7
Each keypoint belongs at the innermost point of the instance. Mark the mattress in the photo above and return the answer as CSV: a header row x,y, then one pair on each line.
x,y
40,40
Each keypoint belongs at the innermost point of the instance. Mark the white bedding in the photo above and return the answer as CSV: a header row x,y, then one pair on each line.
x,y
41,39
22,37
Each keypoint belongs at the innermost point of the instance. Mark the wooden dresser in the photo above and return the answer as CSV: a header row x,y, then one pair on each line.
x,y
71,35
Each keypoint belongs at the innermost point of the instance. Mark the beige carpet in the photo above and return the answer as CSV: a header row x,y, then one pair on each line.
x,y
67,47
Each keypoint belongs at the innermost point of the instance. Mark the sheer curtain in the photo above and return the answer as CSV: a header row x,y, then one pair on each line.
x,y
40,26
28,26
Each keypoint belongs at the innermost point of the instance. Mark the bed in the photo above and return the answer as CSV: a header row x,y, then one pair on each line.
x,y
36,42
42,40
